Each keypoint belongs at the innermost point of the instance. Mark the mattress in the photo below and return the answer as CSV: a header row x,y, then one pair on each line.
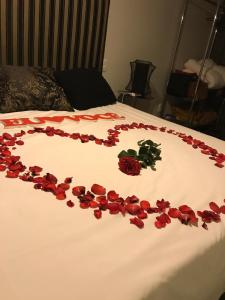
x,y
52,251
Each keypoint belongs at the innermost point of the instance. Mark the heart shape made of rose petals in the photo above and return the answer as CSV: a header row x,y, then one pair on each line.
x,y
97,197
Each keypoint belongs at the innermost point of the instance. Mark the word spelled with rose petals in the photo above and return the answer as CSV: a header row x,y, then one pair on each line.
x,y
57,119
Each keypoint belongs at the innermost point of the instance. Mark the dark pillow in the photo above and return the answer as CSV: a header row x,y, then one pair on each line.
x,y
29,88
85,88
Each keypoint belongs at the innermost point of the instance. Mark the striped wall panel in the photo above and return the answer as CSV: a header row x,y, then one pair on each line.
x,y
62,34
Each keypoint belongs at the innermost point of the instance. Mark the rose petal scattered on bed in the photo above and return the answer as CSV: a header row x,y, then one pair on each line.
x,y
78,190
145,204
70,203
112,196
214,207
138,222
98,189
68,180
97,213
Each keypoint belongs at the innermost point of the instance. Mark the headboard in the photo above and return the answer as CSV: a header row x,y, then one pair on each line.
x,y
53,33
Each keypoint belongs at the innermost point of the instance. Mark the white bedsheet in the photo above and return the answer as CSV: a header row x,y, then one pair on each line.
x,y
49,251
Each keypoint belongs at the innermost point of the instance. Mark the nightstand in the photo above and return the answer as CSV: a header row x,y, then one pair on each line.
x,y
146,104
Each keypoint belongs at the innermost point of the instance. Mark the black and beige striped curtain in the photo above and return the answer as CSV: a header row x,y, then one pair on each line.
x,y
62,34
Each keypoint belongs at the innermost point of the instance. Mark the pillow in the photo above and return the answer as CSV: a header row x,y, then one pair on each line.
x,y
85,88
29,88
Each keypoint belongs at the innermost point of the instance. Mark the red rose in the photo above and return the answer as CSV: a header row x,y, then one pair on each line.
x,y
129,165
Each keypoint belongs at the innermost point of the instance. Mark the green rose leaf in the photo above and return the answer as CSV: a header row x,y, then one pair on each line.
x,y
132,152
123,153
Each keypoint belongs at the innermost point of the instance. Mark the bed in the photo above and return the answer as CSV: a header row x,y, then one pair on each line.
x,y
76,221
58,245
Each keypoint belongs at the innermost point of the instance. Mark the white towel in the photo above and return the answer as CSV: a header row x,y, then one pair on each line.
x,y
212,74
208,64
214,79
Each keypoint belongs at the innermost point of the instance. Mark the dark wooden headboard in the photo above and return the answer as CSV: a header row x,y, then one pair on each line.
x,y
62,34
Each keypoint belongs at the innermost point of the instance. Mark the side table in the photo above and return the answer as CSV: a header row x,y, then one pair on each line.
x,y
146,104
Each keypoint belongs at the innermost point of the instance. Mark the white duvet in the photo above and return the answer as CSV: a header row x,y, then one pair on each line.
x,y
49,251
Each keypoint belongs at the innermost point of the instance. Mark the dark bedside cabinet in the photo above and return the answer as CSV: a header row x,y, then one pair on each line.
x,y
147,104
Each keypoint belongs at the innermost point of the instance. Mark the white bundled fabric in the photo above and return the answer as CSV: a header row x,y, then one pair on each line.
x,y
212,74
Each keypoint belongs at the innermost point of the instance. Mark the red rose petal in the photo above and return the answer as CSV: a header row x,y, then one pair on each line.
x,y
11,174
39,180
35,170
19,134
70,203
159,225
100,198
205,226
93,204
37,186
97,213
6,153
68,180
132,199
50,178
142,215
98,141
7,136
133,209
214,207
138,222
207,152
20,142
219,165
64,186
2,168
193,220
78,190
153,210
61,196
112,196
84,138
26,177
174,213
103,203
162,204
10,143
51,187
209,216
123,210
98,189
88,197
163,218
84,205
222,209
114,208
17,166
185,209
145,204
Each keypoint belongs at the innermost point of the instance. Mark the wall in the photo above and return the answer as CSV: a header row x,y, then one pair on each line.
x,y
140,29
